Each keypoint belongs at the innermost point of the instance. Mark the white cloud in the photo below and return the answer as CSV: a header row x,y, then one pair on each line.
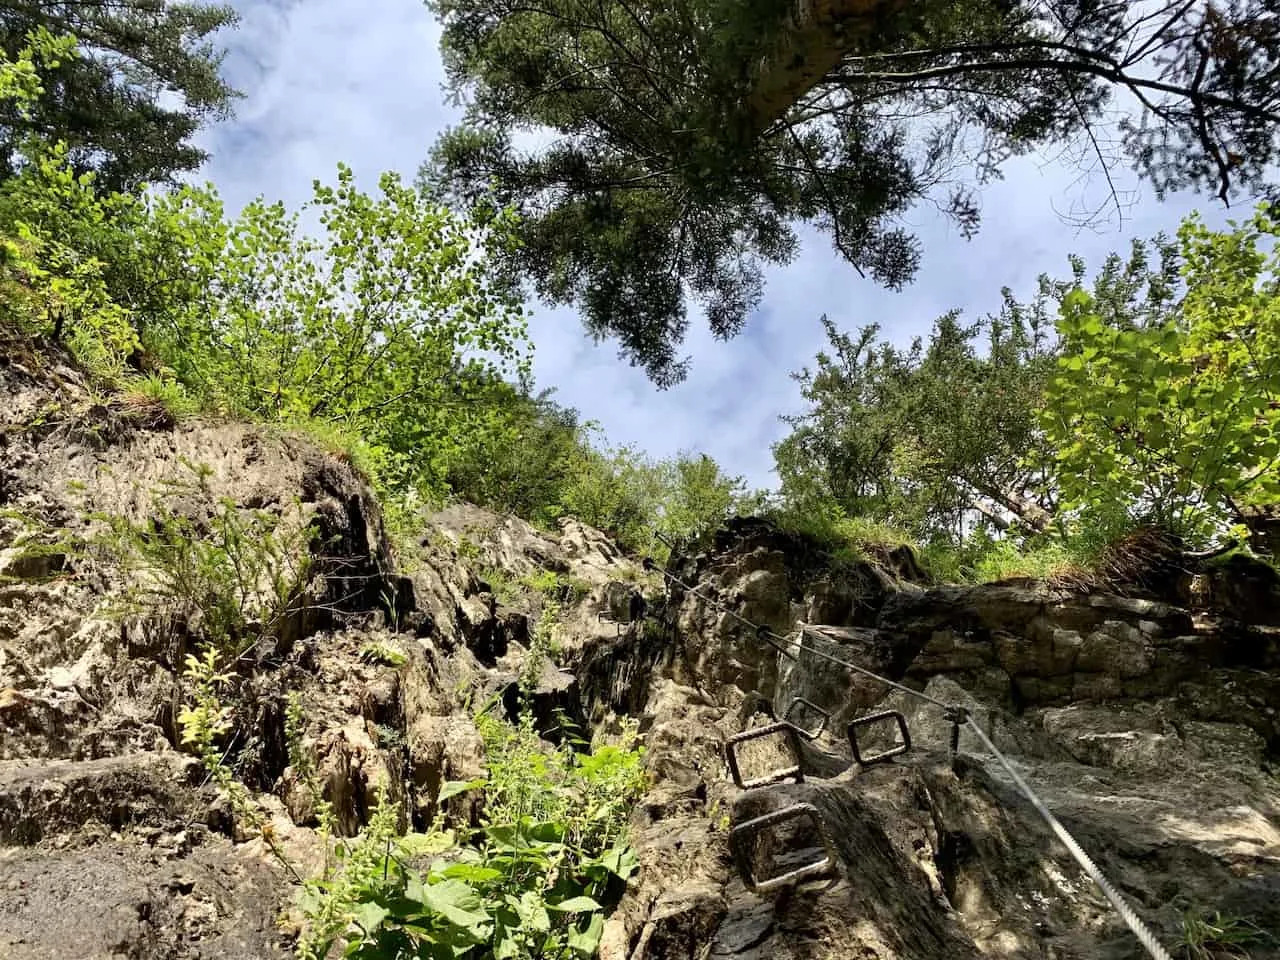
x,y
330,80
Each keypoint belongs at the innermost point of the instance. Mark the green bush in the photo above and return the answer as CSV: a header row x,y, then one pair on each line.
x,y
1168,406
533,882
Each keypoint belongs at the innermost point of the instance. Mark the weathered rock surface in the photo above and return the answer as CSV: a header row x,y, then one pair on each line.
x,y
1149,722
1150,729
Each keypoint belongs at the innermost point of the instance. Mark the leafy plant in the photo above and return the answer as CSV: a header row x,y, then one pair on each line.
x,y
385,323
557,587
235,574
934,438
1170,408
532,882
204,722
165,395
541,645
375,652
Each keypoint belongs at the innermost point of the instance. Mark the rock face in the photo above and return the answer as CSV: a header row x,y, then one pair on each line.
x,y
1151,731
1149,723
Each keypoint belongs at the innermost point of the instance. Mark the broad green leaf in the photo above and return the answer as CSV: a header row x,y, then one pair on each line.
x,y
585,941
451,788
369,915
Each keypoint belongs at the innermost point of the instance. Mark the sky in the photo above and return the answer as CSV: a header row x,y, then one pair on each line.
x,y
329,81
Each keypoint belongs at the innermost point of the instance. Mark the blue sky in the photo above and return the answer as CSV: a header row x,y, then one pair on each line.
x,y
332,80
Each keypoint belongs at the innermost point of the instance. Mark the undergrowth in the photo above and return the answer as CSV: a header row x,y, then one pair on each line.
x,y
535,880
1220,936
233,574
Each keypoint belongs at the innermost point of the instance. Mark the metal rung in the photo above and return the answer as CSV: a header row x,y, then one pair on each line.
x,y
792,734
742,833
824,714
871,718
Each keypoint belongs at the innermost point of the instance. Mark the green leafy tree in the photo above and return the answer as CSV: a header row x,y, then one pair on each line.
x,y
384,323
677,143
539,460
617,490
46,277
518,460
1166,400
145,79
699,497
927,438
383,326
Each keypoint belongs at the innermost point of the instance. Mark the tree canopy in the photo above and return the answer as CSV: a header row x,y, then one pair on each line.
x,y
144,79
1145,395
925,437
662,152
1168,408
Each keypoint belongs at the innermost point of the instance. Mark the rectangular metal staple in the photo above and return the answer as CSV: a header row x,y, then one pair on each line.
x,y
809,705
741,834
792,736
895,751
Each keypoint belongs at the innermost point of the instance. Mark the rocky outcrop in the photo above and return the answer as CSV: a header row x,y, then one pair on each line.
x,y
1148,719
1150,729
112,841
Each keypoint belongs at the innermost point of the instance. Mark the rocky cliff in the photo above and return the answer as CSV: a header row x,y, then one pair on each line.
x,y
1148,720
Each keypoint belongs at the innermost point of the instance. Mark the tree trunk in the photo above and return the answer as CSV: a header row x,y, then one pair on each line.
x,y
1264,528
1026,512
813,39
998,520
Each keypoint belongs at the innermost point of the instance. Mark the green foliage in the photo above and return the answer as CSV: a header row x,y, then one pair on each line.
x,y
169,395
385,654
685,140
616,490
37,548
208,720
518,460
540,461
233,574
1219,936
541,645
925,438
55,282
1169,408
383,334
848,540
386,324
641,503
142,82
555,587
21,84
204,722
533,882
304,767
982,558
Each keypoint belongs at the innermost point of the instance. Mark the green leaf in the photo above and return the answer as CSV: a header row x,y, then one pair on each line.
x,y
533,912
451,788
585,941
457,902
369,915
425,844
470,873
580,904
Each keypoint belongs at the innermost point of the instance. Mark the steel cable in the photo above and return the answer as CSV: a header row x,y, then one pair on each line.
x,y
1118,903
